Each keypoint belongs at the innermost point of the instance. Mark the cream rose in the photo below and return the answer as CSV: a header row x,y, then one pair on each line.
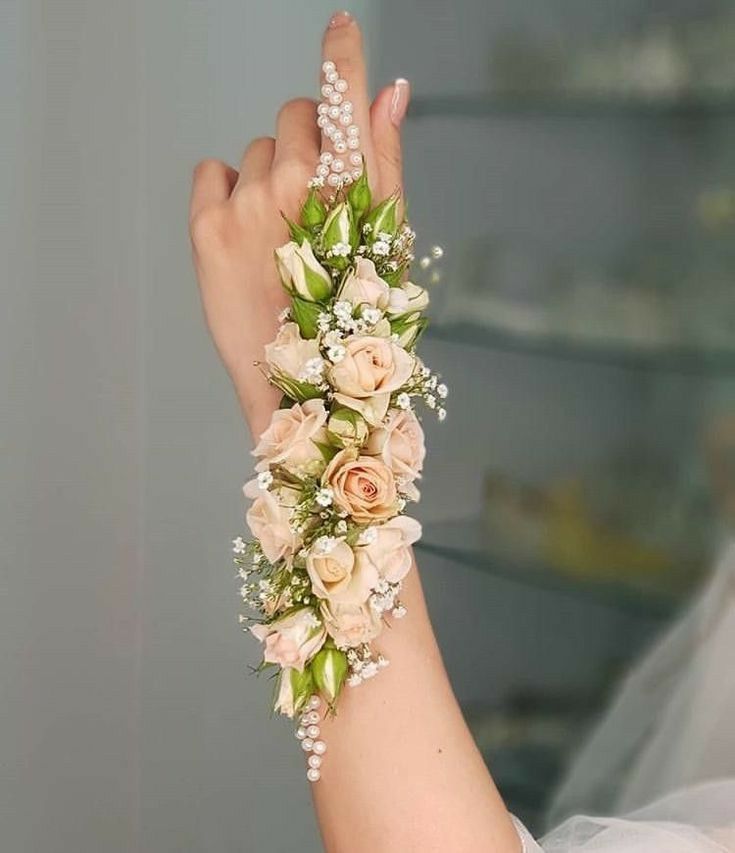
x,y
363,486
291,435
399,442
289,352
372,409
270,523
371,365
350,625
389,554
363,286
293,640
301,273
412,297
335,575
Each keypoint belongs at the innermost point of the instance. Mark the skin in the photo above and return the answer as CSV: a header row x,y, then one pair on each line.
x,y
402,772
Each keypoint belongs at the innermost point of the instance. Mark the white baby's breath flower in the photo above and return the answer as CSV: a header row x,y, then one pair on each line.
x,y
430,401
341,526
384,236
341,250
336,353
399,611
265,480
368,536
371,315
324,497
354,680
381,248
442,391
238,545
441,413
403,401
323,321
284,315
325,544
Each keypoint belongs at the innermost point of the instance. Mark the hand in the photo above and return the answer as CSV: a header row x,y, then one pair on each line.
x,y
236,222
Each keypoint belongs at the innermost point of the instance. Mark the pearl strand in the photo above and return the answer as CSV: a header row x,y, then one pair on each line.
x,y
343,164
308,733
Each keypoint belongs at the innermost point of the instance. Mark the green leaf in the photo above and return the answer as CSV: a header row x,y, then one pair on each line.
x,y
306,315
313,211
298,234
359,195
327,450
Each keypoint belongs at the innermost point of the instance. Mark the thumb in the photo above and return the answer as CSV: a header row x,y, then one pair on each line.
x,y
386,115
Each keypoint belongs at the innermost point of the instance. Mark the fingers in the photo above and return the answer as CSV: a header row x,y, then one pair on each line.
x,y
342,45
297,139
257,159
386,115
212,183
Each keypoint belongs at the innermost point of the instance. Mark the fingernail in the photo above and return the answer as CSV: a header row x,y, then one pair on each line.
x,y
340,19
399,100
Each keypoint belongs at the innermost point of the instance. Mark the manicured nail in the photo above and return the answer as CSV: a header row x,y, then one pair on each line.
x,y
340,19
399,100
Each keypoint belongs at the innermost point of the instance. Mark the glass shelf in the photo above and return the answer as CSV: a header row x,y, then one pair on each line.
x,y
559,105
465,543
688,360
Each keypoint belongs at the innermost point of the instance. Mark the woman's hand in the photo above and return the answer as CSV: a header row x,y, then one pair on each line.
x,y
236,222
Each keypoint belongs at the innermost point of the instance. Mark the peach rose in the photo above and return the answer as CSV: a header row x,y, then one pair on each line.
x,y
412,297
399,442
293,640
270,523
289,439
389,554
335,575
289,352
371,365
363,286
363,486
350,625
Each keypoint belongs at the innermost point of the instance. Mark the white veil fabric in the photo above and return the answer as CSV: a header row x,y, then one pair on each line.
x,y
671,728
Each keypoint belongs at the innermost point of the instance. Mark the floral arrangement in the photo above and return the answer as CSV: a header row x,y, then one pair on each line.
x,y
338,464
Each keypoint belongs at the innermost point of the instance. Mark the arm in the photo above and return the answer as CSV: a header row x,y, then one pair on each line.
x,y
403,772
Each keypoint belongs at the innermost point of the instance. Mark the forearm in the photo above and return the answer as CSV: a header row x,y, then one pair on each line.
x,y
403,772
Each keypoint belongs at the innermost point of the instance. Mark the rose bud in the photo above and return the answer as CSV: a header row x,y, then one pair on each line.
x,y
302,275
348,428
329,669
383,218
313,212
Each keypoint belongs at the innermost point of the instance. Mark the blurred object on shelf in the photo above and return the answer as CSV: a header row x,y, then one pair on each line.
x,y
671,60
635,521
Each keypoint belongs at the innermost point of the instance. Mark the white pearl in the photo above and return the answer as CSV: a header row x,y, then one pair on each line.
x,y
325,157
330,129
353,142
353,130
345,119
333,180
300,733
315,761
331,76
319,747
356,173
315,702
356,159
327,90
328,66
321,109
335,98
312,717
313,731
346,106
307,744
333,112
322,170
338,165
313,775
340,147
322,121
347,178
338,135
340,85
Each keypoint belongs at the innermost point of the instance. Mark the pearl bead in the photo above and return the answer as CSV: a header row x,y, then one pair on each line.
x,y
338,135
327,90
340,85
353,142
330,129
347,178
321,109
333,180
312,717
340,147
307,744
319,747
346,106
335,98
328,66
300,733
355,159
315,702
313,731
338,165
325,157
333,112
322,121
356,173
353,130
332,76
345,119
315,761
322,170
313,775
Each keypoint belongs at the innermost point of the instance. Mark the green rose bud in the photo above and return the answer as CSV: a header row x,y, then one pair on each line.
x,y
313,212
302,275
329,669
383,218
408,328
339,235
348,428
359,196
294,690
306,315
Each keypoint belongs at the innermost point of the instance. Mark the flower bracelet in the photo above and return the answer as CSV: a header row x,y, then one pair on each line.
x,y
339,461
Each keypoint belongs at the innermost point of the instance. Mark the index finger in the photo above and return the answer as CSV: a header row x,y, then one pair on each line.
x,y
344,113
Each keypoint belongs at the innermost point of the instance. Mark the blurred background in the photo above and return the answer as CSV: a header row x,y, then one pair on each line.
x,y
575,161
